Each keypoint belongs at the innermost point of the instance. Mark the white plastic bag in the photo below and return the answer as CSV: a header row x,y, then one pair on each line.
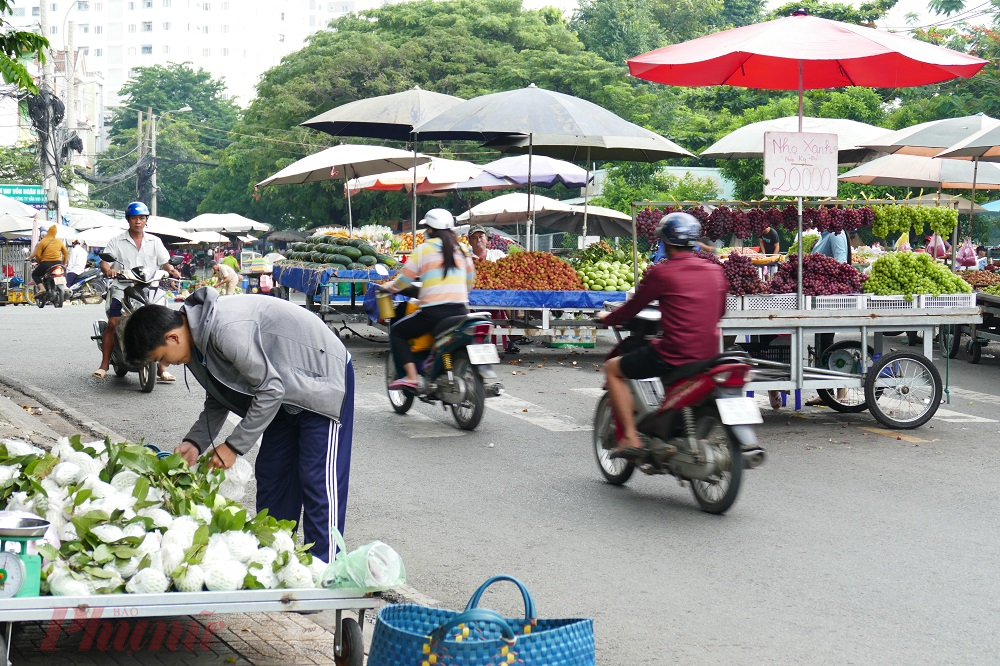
x,y
966,255
374,567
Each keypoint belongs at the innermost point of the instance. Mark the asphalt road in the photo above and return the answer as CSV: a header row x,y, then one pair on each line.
x,y
851,545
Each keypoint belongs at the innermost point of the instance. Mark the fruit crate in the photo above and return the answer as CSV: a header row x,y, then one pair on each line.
x,y
873,302
734,303
948,301
839,302
774,302
767,352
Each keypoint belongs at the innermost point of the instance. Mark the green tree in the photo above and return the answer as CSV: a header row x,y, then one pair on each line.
x,y
634,181
19,164
738,13
187,143
15,46
617,29
864,14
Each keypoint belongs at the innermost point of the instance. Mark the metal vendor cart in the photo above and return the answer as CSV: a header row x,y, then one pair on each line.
x,y
980,335
348,645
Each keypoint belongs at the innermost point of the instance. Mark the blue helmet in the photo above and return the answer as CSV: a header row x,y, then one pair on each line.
x,y
679,229
136,208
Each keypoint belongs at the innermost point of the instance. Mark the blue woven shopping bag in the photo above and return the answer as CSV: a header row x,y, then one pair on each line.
x,y
411,635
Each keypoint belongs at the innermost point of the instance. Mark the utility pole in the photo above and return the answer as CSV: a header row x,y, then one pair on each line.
x,y
152,153
49,177
70,82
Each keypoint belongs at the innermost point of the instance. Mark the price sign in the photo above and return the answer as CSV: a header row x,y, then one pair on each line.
x,y
800,164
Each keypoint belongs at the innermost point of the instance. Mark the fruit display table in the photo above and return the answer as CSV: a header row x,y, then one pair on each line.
x,y
902,389
318,284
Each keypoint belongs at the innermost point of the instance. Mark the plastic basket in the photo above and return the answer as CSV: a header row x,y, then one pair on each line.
x,y
773,302
873,302
767,352
948,301
734,303
839,302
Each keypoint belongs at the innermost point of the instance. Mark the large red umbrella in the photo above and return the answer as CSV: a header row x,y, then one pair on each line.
x,y
802,52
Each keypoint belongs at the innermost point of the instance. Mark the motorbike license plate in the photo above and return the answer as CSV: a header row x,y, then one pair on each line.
x,y
60,281
738,411
483,354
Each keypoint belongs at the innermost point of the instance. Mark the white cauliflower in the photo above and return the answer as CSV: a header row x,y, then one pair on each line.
x,y
150,544
264,574
68,586
148,581
225,576
160,517
216,551
171,557
135,530
295,575
66,473
8,473
283,542
242,545
108,533
191,579
124,481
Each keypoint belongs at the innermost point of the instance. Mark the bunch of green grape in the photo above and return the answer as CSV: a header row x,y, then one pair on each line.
x,y
942,220
993,291
910,273
892,219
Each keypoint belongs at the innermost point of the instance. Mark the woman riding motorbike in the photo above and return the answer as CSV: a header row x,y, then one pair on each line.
x,y
446,273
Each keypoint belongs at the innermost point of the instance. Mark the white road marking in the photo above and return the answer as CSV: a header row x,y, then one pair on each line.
x,y
413,424
974,396
532,413
594,392
958,417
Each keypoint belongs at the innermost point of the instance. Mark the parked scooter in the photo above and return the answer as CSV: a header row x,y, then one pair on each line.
x,y
53,287
88,288
454,361
694,422
140,289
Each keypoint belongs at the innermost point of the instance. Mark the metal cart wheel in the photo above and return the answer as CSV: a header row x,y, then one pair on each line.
x,y
615,470
401,401
352,647
974,351
844,356
951,340
903,390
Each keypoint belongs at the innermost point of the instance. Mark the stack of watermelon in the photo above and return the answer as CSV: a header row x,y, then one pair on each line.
x,y
338,253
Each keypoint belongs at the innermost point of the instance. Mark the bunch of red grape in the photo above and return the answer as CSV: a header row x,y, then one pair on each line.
x,y
700,214
719,223
787,218
757,221
821,276
646,222
741,225
501,243
741,274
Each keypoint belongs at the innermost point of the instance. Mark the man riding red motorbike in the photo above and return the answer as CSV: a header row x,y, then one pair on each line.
x,y
691,293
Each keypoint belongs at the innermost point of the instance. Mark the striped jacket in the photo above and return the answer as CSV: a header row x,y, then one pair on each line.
x,y
427,264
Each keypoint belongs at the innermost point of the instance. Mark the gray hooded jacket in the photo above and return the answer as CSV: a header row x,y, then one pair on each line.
x,y
253,354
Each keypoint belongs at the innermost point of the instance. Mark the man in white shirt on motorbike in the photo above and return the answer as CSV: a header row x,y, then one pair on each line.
x,y
132,249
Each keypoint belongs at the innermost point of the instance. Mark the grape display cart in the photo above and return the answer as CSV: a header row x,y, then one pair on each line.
x,y
348,646
901,388
979,335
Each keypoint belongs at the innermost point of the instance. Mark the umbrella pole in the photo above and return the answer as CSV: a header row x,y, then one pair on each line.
x,y
531,204
972,203
413,209
801,298
350,215
586,200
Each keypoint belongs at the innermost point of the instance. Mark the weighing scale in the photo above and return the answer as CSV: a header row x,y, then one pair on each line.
x,y
20,571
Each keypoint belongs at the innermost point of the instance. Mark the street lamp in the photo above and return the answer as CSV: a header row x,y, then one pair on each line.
x,y
152,179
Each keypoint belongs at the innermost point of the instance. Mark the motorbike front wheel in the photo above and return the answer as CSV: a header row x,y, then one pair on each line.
x,y
401,401
469,413
147,377
91,294
717,494
615,470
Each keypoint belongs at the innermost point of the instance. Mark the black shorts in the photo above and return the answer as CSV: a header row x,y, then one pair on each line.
x,y
644,362
115,308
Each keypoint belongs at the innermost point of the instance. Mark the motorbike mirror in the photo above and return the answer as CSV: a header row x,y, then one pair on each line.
x,y
108,257
176,261
381,270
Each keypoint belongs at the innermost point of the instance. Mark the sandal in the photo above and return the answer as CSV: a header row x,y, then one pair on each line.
x,y
403,385
99,373
166,377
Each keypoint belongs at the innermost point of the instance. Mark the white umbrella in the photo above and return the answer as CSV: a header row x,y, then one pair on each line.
x,y
10,222
223,222
247,239
512,208
747,142
207,237
595,220
84,218
345,161
15,207
917,171
439,171
62,231
98,236
165,226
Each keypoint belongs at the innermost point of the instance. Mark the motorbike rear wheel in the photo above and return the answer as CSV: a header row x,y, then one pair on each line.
x,y
40,301
57,299
616,471
401,401
469,413
120,370
147,377
717,494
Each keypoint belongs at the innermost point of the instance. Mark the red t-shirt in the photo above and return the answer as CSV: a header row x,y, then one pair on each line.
x,y
692,298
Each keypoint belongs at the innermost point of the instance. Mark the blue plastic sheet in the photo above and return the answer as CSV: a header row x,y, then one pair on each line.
x,y
517,300
309,280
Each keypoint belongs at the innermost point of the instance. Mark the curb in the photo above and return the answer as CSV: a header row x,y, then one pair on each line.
x,y
54,403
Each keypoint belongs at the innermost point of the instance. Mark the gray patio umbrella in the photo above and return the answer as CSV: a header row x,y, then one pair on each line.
x,y
385,117
917,171
747,142
600,221
532,116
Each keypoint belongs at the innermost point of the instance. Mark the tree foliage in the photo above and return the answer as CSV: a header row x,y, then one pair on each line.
x,y
16,45
634,181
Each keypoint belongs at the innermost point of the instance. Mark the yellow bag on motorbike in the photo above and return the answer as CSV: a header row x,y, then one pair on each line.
x,y
425,341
